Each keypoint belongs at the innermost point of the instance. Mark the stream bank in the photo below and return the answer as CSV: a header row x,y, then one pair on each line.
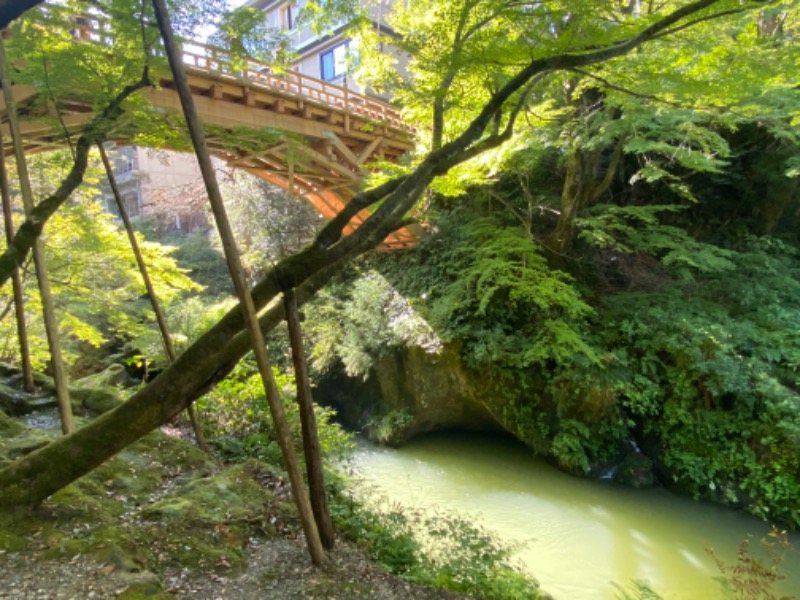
x,y
579,536
164,520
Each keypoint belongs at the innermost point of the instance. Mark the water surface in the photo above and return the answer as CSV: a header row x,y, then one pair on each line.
x,y
579,535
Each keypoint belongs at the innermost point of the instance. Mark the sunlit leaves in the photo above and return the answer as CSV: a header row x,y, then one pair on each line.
x,y
96,284
245,35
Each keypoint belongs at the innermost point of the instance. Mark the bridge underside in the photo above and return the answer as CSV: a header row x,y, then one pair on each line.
x,y
315,142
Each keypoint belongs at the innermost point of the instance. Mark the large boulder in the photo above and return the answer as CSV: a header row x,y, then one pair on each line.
x,y
114,375
410,392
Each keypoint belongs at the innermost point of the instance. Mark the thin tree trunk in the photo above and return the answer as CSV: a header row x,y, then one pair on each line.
x,y
166,338
48,308
94,133
308,421
16,280
237,275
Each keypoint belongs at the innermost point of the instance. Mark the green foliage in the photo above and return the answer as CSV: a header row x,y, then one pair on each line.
x,y
569,446
711,370
385,536
491,289
269,223
196,253
357,321
470,560
639,229
96,284
238,421
243,33
386,428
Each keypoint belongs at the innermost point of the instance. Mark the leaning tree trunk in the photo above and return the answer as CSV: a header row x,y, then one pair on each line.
x,y
35,476
282,431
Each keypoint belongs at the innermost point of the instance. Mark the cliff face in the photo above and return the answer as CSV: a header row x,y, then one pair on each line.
x,y
409,392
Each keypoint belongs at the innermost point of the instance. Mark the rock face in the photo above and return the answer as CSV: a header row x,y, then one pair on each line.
x,y
410,392
636,470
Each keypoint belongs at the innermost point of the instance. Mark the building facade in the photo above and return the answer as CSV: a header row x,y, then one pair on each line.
x,y
159,185
327,56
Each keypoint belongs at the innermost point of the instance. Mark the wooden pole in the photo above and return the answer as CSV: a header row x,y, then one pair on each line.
x,y
50,322
308,422
166,338
16,279
240,284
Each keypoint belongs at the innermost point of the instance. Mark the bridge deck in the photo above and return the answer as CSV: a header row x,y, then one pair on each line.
x,y
310,137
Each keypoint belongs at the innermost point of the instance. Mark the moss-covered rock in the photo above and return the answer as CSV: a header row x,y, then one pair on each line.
x,y
11,541
17,440
114,375
9,427
195,520
411,391
229,496
95,394
205,522
95,401
17,402
144,586
636,470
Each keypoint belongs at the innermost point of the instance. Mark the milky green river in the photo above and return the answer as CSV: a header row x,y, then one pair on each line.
x,y
579,535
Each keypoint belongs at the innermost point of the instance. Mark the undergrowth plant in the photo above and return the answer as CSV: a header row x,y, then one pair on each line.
x,y
237,419
439,550
754,577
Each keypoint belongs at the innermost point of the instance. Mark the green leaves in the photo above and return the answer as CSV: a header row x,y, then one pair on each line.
x,y
95,281
633,229
489,287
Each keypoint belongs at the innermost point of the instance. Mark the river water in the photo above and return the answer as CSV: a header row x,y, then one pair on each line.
x,y
579,535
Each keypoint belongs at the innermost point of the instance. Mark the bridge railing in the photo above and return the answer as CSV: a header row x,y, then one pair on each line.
x,y
217,61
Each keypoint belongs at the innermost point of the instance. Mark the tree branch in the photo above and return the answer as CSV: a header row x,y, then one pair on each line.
x,y
612,86
94,133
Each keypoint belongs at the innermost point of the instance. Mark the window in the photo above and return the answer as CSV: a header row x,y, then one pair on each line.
x,y
333,62
287,16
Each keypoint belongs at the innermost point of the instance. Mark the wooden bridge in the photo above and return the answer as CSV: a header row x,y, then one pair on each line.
x,y
324,135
